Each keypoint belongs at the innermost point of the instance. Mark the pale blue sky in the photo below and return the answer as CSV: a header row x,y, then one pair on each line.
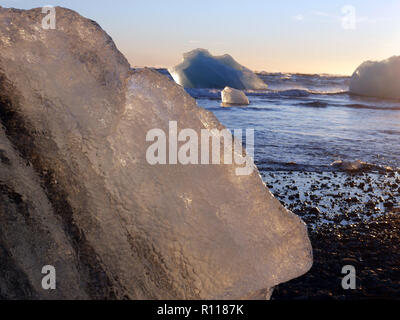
x,y
286,35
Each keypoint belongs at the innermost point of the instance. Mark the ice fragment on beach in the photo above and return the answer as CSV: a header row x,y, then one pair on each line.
x,y
232,96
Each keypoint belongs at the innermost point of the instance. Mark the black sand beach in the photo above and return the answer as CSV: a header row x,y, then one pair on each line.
x,y
365,235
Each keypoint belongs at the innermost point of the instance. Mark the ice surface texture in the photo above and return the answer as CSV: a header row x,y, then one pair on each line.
x,y
232,96
377,79
78,193
200,69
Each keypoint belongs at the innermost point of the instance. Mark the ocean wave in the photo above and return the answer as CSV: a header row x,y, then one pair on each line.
x,y
239,108
370,107
390,132
361,166
312,101
296,92
331,93
215,94
316,98
352,167
314,104
324,104
282,83
212,94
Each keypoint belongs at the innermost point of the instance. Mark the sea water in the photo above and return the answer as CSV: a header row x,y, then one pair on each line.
x,y
304,123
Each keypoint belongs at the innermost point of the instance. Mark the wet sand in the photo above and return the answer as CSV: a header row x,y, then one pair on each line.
x,y
353,219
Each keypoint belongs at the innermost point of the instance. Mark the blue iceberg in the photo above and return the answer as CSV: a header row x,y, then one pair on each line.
x,y
200,69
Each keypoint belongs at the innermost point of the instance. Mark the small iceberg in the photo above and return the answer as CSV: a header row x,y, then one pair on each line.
x,y
380,79
232,96
200,69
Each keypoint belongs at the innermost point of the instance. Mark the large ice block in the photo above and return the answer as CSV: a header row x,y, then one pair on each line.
x,y
79,191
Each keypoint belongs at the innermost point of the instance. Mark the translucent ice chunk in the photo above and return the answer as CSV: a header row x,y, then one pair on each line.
x,y
232,96
125,228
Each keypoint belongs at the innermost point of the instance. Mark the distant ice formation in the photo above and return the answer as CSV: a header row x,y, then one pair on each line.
x,y
232,96
200,69
379,79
